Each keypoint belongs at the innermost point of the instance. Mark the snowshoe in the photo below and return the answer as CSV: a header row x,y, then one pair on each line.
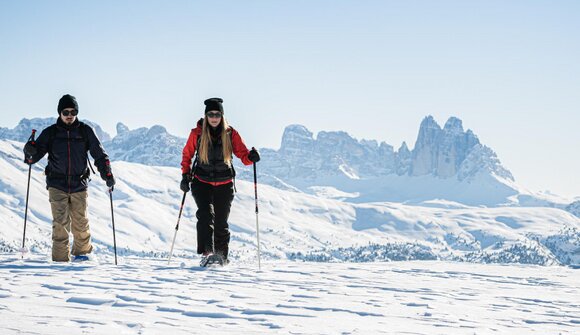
x,y
205,259
213,260
80,258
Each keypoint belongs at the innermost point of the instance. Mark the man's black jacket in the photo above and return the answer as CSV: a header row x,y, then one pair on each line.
x,y
67,147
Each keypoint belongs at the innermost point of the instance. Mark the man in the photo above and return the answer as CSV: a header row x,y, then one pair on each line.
x,y
67,143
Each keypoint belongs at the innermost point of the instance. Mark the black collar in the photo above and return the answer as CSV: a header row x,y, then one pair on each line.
x,y
60,123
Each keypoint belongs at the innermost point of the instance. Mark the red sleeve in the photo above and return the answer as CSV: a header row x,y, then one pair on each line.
x,y
239,148
189,151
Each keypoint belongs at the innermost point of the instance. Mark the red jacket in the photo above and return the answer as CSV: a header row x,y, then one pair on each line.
x,y
238,146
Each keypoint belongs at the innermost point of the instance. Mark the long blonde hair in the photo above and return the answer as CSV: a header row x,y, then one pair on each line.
x,y
206,141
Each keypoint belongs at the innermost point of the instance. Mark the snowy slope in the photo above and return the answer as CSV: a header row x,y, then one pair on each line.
x,y
146,296
574,208
294,225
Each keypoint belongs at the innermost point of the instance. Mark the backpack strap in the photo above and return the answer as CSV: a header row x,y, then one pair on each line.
x,y
230,133
194,166
83,129
51,136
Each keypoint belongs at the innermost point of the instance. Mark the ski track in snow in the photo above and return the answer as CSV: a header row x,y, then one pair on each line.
x,y
148,296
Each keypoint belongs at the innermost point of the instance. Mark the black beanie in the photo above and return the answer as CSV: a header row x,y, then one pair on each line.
x,y
214,104
67,101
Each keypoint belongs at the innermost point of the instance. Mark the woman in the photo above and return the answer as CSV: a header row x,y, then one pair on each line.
x,y
212,143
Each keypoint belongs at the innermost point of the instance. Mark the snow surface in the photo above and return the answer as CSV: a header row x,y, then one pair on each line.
x,y
147,296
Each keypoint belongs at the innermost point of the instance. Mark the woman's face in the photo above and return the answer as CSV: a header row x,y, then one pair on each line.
x,y
214,118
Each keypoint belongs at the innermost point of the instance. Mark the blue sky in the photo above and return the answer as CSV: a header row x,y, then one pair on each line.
x,y
508,69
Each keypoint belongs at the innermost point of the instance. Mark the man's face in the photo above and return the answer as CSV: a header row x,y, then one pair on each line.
x,y
68,115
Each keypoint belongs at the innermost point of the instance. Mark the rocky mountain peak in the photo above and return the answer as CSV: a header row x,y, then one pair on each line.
x,y
296,138
156,130
453,126
121,128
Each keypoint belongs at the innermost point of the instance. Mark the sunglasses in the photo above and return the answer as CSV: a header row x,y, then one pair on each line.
x,y
67,113
214,115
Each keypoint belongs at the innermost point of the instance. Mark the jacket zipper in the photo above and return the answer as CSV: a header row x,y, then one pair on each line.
x,y
69,160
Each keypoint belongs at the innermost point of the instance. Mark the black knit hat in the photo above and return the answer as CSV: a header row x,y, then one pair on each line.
x,y
67,101
214,104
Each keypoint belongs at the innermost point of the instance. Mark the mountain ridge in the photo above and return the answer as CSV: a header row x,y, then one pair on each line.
x,y
450,160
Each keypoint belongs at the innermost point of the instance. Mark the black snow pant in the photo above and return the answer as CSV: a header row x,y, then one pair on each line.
x,y
213,210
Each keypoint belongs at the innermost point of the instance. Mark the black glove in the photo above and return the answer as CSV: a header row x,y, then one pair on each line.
x,y
185,180
104,169
254,155
110,180
106,173
30,149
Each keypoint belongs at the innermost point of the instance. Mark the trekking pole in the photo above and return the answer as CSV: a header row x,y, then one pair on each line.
x,y
113,220
176,227
29,161
257,225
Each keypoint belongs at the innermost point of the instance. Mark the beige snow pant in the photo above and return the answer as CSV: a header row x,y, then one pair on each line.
x,y
69,211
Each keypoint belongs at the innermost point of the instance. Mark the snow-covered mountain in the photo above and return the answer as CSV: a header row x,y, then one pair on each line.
x,y
444,153
446,163
294,225
150,146
22,131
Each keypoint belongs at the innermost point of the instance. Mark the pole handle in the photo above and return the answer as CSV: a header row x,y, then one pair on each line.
x,y
28,159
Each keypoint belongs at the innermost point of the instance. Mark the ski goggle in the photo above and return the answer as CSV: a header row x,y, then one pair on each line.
x,y
214,115
67,113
